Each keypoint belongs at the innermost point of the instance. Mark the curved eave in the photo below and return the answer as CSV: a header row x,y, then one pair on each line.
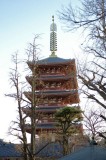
x,y
42,127
51,77
50,127
48,108
50,93
57,78
42,110
52,61
40,130
30,80
70,96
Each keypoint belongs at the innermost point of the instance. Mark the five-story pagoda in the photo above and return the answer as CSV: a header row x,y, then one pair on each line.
x,y
56,88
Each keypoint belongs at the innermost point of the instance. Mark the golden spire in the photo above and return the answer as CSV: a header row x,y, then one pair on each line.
x,y
53,38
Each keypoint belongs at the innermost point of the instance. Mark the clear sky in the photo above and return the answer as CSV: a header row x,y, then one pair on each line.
x,y
20,20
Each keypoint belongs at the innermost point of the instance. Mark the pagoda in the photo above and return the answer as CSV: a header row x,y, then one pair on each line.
x,y
56,89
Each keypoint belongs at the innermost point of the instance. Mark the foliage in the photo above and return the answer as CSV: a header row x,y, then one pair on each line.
x,y
68,123
67,117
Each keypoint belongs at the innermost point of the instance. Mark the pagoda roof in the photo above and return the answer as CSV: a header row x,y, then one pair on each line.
x,y
55,77
54,92
52,60
42,126
65,77
47,109
50,110
52,78
59,92
46,125
49,93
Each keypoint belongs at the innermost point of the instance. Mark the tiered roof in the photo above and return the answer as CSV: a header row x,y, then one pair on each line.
x,y
56,61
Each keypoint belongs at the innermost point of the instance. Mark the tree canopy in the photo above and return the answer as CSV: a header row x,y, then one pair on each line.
x,y
68,123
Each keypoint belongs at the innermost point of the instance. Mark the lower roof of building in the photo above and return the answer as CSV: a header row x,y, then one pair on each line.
x,y
8,150
92,152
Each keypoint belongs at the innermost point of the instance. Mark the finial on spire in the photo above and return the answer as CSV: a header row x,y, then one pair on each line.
x,y
53,18
53,38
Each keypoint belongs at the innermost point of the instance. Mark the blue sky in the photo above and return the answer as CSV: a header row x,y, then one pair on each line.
x,y
20,20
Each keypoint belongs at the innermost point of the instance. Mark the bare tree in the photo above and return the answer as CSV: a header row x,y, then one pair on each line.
x,y
24,103
33,52
20,123
93,123
91,17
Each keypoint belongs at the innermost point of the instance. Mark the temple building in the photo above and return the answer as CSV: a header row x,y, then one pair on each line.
x,y
10,151
55,87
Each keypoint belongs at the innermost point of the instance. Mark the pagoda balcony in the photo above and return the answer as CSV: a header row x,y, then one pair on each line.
x,y
50,127
42,127
54,82
51,77
50,106
44,109
46,123
50,93
53,74
67,96
57,77
42,124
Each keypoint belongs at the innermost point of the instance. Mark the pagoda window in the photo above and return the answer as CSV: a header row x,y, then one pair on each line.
x,y
72,68
57,71
48,71
59,85
39,121
51,117
45,120
43,71
47,85
53,100
53,85
53,70
46,100
67,67
50,120
59,100
45,117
